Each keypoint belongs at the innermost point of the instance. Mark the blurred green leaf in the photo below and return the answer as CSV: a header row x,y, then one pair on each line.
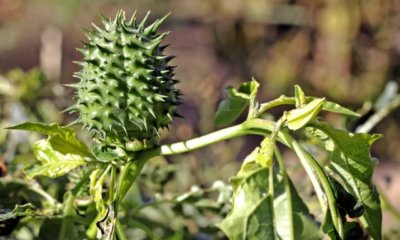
x,y
62,139
18,211
237,101
336,108
352,163
53,163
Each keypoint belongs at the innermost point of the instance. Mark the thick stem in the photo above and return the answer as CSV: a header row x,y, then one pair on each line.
x,y
253,126
133,168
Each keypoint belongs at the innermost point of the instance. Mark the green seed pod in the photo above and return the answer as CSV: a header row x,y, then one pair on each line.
x,y
126,91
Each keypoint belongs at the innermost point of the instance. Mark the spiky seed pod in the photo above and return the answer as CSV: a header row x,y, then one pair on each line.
x,y
126,91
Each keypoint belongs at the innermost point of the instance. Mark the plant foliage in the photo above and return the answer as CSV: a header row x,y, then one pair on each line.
x,y
265,202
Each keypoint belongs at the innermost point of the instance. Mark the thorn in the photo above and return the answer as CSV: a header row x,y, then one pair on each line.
x,y
156,131
177,115
97,28
145,124
143,22
156,25
72,85
71,109
132,21
152,112
80,63
163,47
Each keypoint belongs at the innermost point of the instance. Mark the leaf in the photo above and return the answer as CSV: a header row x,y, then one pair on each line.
x,y
251,216
336,108
351,162
299,96
62,139
264,157
237,101
18,211
108,154
299,117
53,163
97,179
292,218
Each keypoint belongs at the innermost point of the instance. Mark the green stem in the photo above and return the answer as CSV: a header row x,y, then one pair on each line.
x,y
120,231
68,211
132,169
282,100
319,180
111,193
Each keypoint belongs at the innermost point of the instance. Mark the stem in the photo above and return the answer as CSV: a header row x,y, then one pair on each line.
x,y
69,212
319,180
111,193
379,116
119,231
282,100
132,169
252,126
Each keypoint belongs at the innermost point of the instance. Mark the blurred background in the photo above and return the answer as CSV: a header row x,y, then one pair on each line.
x,y
347,51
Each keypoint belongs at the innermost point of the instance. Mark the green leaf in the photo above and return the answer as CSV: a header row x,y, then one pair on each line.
x,y
62,139
320,182
292,218
97,179
18,211
108,154
237,101
299,96
53,163
264,157
336,108
352,163
251,216
297,118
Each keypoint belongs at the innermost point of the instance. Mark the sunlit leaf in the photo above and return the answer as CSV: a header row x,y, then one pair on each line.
x,y
62,139
352,163
264,157
336,108
299,117
97,179
236,102
53,163
299,96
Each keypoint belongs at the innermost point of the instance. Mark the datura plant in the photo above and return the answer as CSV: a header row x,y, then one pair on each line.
x,y
127,93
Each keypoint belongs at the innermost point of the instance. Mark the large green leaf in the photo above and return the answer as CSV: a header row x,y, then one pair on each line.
x,y
62,139
236,102
352,163
251,216
53,163
259,212
292,218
